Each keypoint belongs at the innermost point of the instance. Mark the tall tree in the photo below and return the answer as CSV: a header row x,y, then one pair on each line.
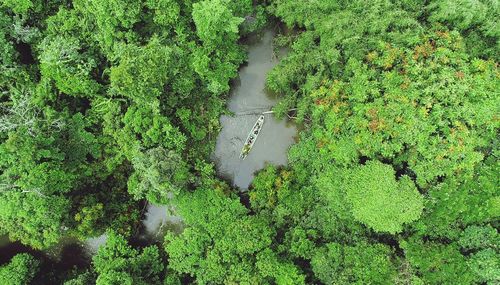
x,y
20,270
476,20
381,202
225,245
119,263
217,28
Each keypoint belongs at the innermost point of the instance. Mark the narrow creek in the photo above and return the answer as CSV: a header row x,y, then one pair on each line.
x,y
248,98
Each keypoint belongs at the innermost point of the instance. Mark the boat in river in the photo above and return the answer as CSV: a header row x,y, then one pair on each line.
x,y
252,137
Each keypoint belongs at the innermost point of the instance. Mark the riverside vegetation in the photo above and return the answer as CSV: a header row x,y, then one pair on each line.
x,y
394,179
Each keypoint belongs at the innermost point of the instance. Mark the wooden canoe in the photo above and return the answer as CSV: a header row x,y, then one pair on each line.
x,y
252,137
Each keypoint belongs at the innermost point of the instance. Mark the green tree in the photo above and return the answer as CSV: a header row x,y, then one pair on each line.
x,y
478,237
217,28
42,159
154,147
19,7
143,127
62,61
476,20
221,243
8,57
282,271
32,218
380,201
336,31
392,106
20,270
142,72
437,263
158,174
111,21
485,264
359,264
455,203
166,12
215,22
482,242
119,263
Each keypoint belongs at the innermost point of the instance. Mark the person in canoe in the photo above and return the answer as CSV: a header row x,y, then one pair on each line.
x,y
246,150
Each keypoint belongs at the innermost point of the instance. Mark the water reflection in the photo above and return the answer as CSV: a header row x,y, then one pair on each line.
x,y
92,244
159,219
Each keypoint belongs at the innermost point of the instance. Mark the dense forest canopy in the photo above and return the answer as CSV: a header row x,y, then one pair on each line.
x,y
107,105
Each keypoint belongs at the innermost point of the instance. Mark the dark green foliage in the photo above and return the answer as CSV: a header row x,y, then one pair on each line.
x,y
112,20
43,157
112,93
32,218
360,264
142,72
61,60
215,22
217,28
476,237
454,205
336,32
18,6
225,245
118,263
485,264
438,263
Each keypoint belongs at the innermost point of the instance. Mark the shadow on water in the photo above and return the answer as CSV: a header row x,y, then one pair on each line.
x,y
25,53
55,263
9,249
70,255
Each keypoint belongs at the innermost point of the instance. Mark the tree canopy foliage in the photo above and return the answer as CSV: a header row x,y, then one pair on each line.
x,y
20,270
118,263
381,202
106,106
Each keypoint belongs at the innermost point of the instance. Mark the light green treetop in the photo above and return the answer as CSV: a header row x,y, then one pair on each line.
x,y
380,201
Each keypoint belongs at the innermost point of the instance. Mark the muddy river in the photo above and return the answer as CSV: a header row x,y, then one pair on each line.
x,y
247,100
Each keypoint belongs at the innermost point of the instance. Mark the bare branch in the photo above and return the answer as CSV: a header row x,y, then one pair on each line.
x,y
22,114
5,187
